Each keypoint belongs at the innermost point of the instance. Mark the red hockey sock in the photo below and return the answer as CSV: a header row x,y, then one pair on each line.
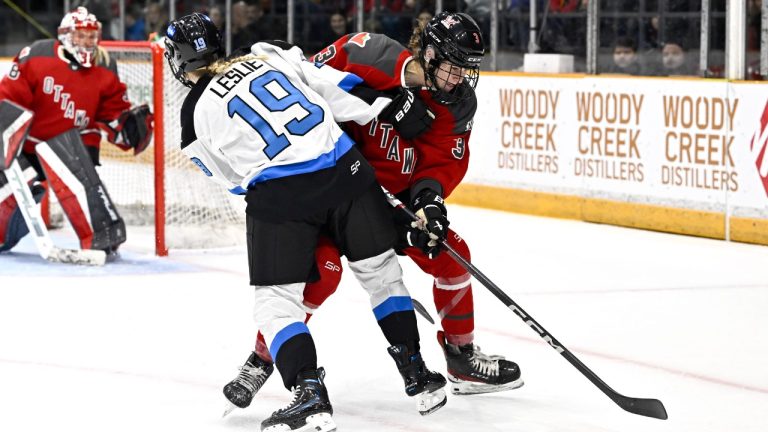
x,y
453,300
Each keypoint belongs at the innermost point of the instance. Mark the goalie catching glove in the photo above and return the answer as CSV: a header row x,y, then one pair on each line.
x,y
408,114
132,130
430,208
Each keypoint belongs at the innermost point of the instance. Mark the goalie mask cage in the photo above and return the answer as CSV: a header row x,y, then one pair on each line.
x,y
161,186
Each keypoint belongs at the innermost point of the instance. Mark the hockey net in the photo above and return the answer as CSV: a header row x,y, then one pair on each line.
x,y
161,187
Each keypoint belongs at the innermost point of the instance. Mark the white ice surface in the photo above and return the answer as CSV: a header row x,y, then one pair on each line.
x,y
146,343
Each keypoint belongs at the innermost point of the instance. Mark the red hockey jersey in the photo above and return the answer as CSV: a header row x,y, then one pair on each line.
x,y
438,158
62,95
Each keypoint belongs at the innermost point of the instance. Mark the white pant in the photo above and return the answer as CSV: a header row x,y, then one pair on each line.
x,y
278,306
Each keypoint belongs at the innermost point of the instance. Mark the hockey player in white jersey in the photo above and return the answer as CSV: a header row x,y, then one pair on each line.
x,y
264,126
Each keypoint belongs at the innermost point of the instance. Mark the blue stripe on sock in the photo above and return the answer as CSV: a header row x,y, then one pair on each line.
x,y
286,333
392,305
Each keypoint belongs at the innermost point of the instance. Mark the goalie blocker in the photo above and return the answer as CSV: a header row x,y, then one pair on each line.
x,y
72,176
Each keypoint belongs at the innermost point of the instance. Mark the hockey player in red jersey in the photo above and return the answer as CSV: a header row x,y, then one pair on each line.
x,y
440,71
72,88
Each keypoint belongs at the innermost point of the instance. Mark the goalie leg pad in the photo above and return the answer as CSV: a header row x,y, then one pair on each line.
x,y
14,126
73,177
13,228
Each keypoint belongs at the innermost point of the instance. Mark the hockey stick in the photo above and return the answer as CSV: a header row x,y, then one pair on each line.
x,y
645,407
418,307
30,210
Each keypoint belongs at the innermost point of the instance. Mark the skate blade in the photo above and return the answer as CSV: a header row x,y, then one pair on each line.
x,y
322,422
461,387
228,409
429,402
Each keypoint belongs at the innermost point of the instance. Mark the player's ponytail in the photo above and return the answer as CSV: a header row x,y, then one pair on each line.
x,y
414,43
101,56
221,65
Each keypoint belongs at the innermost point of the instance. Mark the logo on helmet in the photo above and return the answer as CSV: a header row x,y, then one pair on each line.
x,y
200,44
449,21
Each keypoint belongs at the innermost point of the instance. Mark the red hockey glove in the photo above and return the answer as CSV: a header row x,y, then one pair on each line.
x,y
132,130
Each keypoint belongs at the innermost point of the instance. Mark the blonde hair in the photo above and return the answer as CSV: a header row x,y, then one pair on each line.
x,y
221,65
101,56
414,43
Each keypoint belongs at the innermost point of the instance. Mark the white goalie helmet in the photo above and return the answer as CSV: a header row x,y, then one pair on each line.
x,y
79,34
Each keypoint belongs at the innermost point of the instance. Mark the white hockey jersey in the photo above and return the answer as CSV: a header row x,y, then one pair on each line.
x,y
273,117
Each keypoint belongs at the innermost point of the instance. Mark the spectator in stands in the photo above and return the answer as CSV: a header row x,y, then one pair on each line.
x,y
241,34
135,27
625,58
674,60
156,18
651,34
216,14
337,27
260,26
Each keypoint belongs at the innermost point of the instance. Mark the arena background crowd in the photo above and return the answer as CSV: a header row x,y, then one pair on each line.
x,y
639,37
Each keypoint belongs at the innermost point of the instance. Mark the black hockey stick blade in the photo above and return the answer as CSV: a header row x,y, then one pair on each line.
x,y
422,310
644,407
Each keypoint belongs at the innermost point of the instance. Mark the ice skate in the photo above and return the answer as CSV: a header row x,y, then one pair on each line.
x,y
310,409
241,390
470,371
426,386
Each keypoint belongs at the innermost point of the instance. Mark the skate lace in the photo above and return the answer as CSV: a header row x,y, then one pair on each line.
x,y
252,377
296,390
483,363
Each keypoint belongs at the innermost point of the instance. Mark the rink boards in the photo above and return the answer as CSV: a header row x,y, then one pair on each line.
x,y
676,155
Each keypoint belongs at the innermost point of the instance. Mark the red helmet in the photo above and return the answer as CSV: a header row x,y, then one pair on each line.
x,y
80,19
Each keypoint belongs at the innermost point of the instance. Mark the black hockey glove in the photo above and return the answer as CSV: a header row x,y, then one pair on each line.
x,y
418,238
408,114
430,208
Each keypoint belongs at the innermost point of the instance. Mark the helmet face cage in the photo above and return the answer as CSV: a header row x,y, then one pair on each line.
x,y
454,38
191,42
79,20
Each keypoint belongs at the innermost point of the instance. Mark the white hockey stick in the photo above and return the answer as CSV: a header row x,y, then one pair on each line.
x,y
30,210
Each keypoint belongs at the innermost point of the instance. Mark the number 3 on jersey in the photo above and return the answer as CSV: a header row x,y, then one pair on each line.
x,y
276,143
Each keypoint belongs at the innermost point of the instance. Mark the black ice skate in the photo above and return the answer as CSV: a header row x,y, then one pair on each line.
x,y
470,371
310,409
426,386
241,390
